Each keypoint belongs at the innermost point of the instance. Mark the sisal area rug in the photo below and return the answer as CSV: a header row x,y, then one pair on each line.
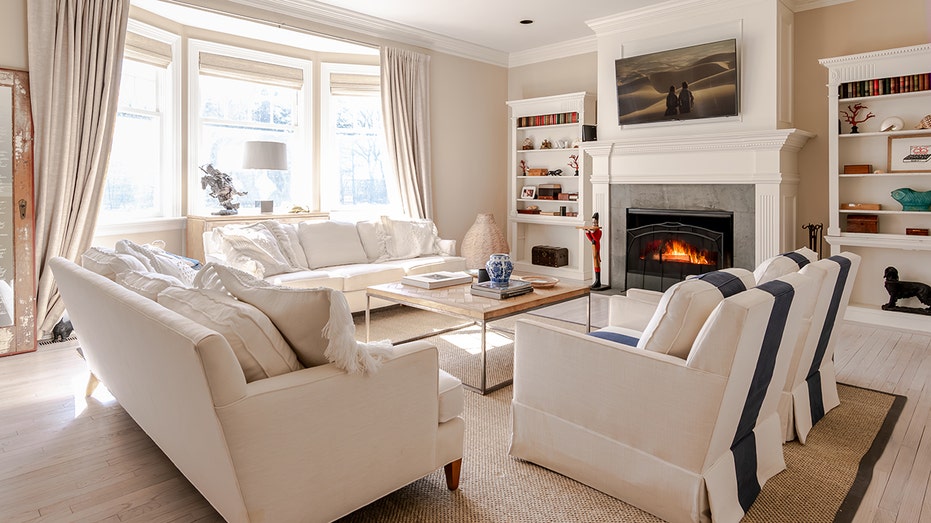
x,y
824,480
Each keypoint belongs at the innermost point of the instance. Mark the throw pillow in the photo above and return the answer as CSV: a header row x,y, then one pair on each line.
x,y
108,262
253,248
147,284
255,341
328,243
685,306
374,240
136,251
288,242
316,322
782,264
160,261
207,278
410,238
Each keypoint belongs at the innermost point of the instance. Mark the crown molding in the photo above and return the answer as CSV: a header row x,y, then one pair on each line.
x,y
375,27
805,5
586,44
876,55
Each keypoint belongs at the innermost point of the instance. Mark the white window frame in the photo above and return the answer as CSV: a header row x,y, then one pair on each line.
x,y
301,161
327,143
169,98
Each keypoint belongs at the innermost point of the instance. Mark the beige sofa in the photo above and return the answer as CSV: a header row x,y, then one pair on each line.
x,y
306,445
344,256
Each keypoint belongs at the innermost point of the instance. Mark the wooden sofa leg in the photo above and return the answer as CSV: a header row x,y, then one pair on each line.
x,y
452,474
92,383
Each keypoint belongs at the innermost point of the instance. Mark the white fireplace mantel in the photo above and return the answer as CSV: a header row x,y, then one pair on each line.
x,y
765,159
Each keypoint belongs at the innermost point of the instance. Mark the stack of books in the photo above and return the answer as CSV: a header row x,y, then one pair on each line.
x,y
436,280
512,289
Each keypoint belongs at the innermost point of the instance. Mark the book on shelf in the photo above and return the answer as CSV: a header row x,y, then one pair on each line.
x,y
880,86
436,280
513,288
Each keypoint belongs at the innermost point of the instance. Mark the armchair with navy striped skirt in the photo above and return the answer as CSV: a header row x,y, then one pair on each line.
x,y
690,438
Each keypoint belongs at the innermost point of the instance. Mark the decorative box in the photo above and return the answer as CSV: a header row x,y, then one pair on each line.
x,y
549,256
548,191
536,172
916,231
863,223
858,168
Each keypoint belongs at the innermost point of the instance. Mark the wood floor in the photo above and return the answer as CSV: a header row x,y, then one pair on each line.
x,y
66,459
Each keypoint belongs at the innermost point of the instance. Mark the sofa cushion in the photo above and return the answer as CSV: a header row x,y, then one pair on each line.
x,y
288,242
257,344
409,238
425,264
686,305
328,243
307,280
451,396
252,248
782,264
108,262
147,284
316,322
359,276
374,240
617,334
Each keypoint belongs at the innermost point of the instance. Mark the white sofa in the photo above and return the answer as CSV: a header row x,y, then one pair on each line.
x,y
309,444
339,255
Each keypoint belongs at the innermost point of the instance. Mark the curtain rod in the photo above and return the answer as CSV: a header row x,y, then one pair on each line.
x,y
279,25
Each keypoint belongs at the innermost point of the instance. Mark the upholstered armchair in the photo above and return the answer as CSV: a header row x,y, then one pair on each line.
x,y
688,438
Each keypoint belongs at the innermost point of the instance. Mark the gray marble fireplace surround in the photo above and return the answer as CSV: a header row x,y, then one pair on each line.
x,y
737,198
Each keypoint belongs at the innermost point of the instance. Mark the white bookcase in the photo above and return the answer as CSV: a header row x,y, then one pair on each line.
x,y
890,245
559,120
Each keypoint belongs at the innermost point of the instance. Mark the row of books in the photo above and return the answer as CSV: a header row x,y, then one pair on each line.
x,y
547,119
514,288
877,86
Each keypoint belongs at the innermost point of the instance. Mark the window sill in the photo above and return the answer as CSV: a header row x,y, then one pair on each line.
x,y
141,226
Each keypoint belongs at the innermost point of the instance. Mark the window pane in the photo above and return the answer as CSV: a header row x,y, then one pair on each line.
x,y
358,133
134,178
236,111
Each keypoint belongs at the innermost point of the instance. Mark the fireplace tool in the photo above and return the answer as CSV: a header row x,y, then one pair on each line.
x,y
815,239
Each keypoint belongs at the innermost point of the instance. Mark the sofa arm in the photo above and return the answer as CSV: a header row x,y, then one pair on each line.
x,y
298,439
620,392
634,310
446,247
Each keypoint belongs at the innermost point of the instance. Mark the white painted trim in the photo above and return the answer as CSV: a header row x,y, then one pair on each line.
x,y
143,226
371,26
586,44
780,139
876,55
805,5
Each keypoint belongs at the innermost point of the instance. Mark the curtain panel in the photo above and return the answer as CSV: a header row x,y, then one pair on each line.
x,y
405,88
75,60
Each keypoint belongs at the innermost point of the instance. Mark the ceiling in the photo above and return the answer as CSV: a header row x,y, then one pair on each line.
x,y
494,24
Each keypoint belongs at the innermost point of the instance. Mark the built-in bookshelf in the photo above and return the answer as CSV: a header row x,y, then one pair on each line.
x,y
868,163
548,181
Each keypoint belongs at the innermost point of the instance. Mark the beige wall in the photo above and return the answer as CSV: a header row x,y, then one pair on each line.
x,y
13,35
563,75
469,142
855,27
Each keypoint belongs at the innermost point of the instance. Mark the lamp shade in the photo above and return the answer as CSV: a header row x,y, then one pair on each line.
x,y
265,155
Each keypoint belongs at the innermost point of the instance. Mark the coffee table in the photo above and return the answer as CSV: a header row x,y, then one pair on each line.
x,y
456,301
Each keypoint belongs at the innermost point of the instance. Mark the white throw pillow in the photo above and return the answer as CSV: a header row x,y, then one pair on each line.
x,y
257,344
253,248
316,322
374,240
410,238
685,306
108,262
288,242
158,260
207,278
782,264
328,243
136,251
147,284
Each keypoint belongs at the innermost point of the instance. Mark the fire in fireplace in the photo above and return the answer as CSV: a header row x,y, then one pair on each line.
x,y
665,246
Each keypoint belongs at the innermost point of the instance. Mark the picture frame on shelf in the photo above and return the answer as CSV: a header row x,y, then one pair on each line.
x,y
910,154
528,192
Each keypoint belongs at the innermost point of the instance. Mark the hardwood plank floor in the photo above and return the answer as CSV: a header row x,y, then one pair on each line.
x,y
64,458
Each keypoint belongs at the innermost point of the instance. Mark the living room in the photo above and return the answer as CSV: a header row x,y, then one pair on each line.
x,y
469,88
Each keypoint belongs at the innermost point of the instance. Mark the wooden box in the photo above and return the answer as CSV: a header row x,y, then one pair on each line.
x,y
537,172
549,256
863,223
861,206
860,168
548,191
916,231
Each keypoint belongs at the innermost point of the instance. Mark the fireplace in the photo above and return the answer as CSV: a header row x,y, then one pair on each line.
x,y
664,246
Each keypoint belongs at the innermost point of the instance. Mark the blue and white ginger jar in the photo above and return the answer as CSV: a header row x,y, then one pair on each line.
x,y
499,269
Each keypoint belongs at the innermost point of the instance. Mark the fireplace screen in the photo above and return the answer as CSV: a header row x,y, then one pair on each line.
x,y
663,253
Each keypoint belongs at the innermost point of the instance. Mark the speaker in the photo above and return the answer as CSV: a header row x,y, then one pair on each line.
x,y
588,133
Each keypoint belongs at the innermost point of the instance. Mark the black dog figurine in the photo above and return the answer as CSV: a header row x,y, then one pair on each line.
x,y
899,290
62,330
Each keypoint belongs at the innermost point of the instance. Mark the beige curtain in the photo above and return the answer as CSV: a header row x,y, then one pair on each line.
x,y
75,60
405,93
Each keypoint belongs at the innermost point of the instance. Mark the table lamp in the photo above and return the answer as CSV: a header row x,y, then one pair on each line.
x,y
272,156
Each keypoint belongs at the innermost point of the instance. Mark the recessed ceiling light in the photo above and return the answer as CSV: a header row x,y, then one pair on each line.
x,y
526,21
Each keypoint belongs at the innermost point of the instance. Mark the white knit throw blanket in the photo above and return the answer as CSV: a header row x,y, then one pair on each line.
x,y
343,350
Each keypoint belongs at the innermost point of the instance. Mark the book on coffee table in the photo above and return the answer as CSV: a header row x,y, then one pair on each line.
x,y
500,292
435,280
